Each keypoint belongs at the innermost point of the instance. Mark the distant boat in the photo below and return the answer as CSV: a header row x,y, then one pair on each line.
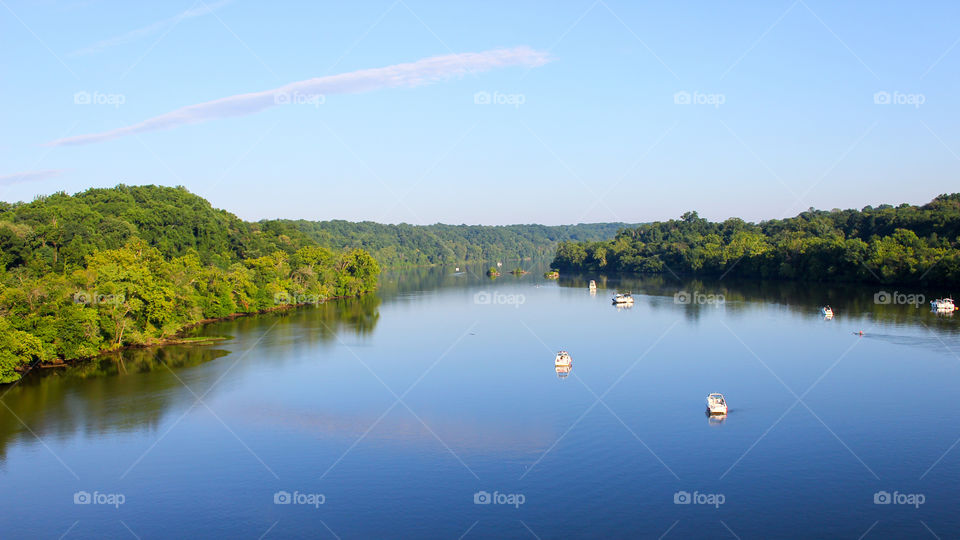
x,y
593,285
943,304
621,299
563,360
716,404
827,312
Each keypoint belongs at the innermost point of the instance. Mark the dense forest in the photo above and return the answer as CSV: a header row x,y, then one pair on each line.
x,y
84,273
886,244
420,245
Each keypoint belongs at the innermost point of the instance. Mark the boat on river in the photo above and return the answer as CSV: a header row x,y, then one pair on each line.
x,y
943,304
827,312
563,359
716,404
623,299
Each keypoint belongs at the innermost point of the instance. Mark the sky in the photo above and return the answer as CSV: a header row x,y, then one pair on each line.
x,y
485,112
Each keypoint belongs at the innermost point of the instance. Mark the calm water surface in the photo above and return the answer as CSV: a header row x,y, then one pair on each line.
x,y
397,411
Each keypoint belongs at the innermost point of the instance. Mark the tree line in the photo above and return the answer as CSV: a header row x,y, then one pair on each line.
x,y
406,245
106,268
886,244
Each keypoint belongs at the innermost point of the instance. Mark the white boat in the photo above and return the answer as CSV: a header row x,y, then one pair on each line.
x,y
623,299
563,359
827,312
942,304
716,404
593,285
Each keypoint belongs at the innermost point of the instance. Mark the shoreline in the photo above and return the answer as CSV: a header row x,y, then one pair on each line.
x,y
177,338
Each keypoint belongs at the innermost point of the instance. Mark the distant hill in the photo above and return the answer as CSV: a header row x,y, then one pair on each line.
x,y
131,265
61,229
409,245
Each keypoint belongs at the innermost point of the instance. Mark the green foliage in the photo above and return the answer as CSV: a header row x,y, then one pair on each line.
x,y
132,265
422,245
886,244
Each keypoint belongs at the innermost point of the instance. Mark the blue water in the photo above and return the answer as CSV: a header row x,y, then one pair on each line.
x,y
396,411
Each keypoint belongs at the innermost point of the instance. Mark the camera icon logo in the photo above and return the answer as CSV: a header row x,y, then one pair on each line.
x,y
681,98
882,497
881,98
882,297
482,297
81,98
81,298
282,497
681,297
481,98
281,98
681,497
481,497
81,497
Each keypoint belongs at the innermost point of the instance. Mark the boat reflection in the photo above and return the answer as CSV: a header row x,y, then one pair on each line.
x,y
715,419
563,371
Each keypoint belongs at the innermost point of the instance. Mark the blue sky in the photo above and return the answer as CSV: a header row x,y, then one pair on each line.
x,y
492,112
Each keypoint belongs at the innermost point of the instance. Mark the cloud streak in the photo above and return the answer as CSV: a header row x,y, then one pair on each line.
x,y
154,28
29,176
421,72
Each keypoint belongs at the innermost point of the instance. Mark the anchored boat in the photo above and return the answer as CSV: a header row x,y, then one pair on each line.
x,y
623,299
827,312
942,304
593,285
563,359
716,404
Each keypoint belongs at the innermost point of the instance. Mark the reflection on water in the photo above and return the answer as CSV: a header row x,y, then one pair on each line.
x,y
716,419
318,392
83,397
91,397
848,300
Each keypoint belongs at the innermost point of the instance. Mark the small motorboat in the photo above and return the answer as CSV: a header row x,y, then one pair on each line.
x,y
827,312
623,299
716,404
563,359
943,304
593,285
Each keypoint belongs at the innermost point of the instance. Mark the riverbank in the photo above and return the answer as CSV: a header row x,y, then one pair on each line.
x,y
178,338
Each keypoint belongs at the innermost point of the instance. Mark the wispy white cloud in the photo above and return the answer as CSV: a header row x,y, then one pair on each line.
x,y
157,27
29,176
421,72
